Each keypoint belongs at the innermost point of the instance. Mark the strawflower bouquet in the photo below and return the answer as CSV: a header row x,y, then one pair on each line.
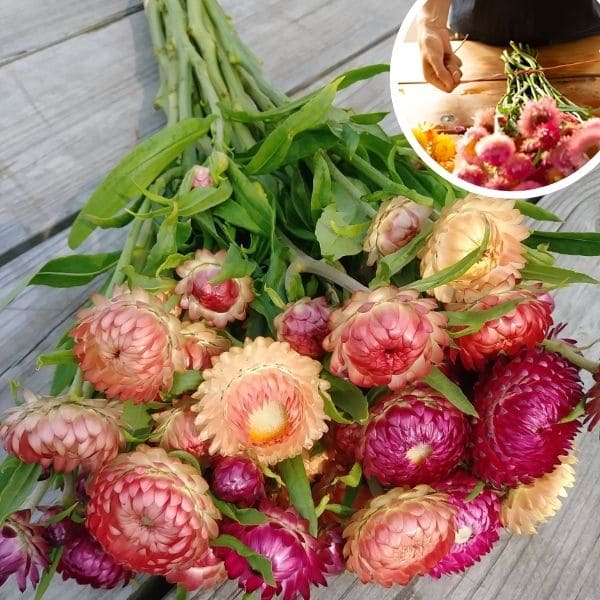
x,y
534,137
310,355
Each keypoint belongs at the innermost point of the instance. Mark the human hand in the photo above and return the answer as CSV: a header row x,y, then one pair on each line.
x,y
441,67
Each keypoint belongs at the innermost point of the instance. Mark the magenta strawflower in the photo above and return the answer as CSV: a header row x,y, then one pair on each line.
x,y
477,523
59,533
519,167
304,325
331,547
571,153
217,303
386,337
85,561
471,173
495,149
284,539
23,550
538,113
413,436
239,480
592,405
521,402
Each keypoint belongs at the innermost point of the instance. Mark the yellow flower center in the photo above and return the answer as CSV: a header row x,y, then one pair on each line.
x,y
463,535
417,454
267,423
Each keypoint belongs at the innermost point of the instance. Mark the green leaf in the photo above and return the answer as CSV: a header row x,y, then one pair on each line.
x,y
320,508
234,266
536,212
17,479
578,243
322,195
352,479
539,256
439,382
245,516
554,276
201,199
152,284
186,457
293,473
58,357
257,562
63,514
274,148
48,573
338,235
185,381
172,262
138,169
347,398
471,321
393,263
137,420
575,414
477,489
453,271
369,118
165,245
181,593
341,510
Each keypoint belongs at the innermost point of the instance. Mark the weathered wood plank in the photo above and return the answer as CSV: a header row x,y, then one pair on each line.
x,y
66,121
30,25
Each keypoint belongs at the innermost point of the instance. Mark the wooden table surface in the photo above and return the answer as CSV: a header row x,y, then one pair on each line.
x,y
78,79
422,102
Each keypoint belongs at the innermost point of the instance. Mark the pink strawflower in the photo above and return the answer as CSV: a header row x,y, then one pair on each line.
x,y
64,433
538,113
495,149
498,182
284,539
176,429
239,480
304,325
217,303
386,337
465,147
528,185
477,523
471,174
519,167
570,154
151,512
128,346
207,574
85,561
23,550
413,436
202,177
485,117
202,345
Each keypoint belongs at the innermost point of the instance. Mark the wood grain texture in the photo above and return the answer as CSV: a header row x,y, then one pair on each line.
x,y
561,562
66,121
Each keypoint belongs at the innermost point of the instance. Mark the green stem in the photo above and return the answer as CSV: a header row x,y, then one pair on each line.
x,y
572,355
69,489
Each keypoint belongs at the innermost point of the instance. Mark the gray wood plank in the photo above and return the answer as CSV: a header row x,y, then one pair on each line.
x,y
31,25
67,120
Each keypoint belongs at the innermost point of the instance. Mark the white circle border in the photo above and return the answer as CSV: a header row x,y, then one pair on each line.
x,y
435,166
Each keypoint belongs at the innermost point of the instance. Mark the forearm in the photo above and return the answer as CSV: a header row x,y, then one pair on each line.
x,y
435,13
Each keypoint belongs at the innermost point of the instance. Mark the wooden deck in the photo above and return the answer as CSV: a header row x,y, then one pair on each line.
x,y
78,79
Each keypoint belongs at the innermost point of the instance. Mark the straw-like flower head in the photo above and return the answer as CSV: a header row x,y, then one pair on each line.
x,y
264,399
202,345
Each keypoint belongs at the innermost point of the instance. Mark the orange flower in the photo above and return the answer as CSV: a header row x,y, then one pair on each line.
x,y
399,535
128,346
264,399
461,229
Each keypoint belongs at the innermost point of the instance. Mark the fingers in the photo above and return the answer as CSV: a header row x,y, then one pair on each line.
x,y
436,72
453,64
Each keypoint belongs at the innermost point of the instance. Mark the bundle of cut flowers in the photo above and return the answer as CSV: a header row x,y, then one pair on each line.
x,y
534,137
308,356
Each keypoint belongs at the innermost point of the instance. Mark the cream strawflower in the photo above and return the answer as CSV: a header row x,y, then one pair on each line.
x,y
460,230
528,505
264,399
128,346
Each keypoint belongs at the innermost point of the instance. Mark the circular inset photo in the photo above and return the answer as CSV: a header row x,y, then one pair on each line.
x,y
501,104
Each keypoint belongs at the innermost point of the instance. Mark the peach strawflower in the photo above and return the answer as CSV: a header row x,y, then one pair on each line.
x,y
128,346
176,429
216,303
528,505
460,230
264,399
151,512
207,574
386,337
64,433
396,223
202,345
399,535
